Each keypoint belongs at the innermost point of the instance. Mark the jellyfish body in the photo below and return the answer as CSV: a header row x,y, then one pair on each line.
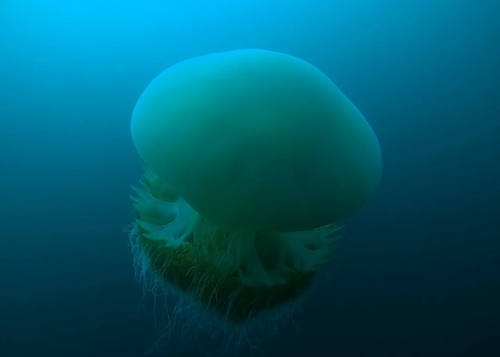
x,y
236,272
251,159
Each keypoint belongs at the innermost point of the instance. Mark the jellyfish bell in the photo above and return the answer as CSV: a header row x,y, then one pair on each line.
x,y
257,139
251,158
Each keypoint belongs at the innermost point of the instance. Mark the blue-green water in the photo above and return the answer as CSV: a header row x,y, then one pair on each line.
x,y
417,272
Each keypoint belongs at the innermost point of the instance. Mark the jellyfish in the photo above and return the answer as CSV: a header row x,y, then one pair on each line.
x,y
252,159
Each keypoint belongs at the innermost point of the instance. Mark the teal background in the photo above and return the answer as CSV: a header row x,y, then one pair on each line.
x,y
418,270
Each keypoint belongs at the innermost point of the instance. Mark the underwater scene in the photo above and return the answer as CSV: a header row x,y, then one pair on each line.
x,y
249,178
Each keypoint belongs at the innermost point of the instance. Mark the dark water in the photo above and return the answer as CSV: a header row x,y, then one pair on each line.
x,y
417,272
